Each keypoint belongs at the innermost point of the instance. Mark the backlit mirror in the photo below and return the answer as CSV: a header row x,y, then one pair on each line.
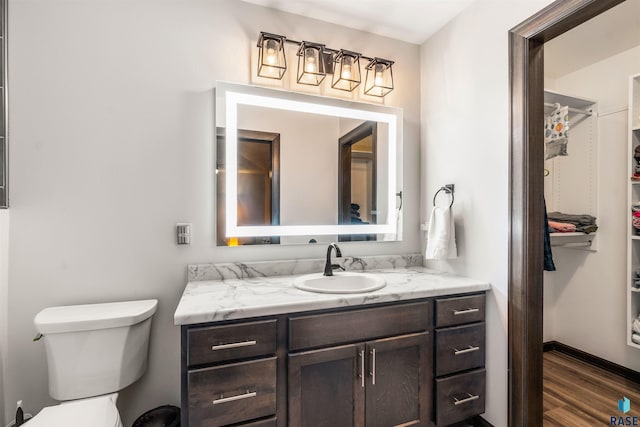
x,y
298,168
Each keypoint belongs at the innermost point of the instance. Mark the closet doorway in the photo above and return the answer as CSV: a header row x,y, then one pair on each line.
x,y
526,45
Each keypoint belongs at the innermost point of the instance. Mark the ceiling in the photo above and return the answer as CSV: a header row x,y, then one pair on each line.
x,y
608,34
412,21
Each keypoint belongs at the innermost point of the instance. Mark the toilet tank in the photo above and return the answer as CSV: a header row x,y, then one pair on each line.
x,y
95,349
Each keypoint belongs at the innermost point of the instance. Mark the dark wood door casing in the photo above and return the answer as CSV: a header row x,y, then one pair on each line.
x,y
526,67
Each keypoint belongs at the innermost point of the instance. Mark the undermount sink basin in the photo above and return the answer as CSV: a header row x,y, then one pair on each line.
x,y
345,282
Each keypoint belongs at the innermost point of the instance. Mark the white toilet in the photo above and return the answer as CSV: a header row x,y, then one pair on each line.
x,y
93,351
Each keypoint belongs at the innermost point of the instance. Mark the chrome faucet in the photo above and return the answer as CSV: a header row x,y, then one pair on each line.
x,y
329,267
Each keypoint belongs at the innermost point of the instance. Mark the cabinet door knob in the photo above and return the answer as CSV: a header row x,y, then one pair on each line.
x,y
361,374
373,366
223,399
469,349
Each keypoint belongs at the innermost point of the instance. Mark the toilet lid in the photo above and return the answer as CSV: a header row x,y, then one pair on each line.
x,y
94,412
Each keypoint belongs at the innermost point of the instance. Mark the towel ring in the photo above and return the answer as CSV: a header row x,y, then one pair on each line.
x,y
447,190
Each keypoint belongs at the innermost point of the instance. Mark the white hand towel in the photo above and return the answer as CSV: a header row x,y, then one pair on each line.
x,y
441,236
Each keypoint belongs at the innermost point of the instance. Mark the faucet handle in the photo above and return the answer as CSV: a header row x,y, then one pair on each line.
x,y
337,267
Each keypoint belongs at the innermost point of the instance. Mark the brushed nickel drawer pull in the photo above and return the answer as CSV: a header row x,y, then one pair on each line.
x,y
373,366
467,400
233,345
361,375
469,349
466,311
223,399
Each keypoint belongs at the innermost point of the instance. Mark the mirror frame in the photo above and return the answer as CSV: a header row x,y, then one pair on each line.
x,y
237,94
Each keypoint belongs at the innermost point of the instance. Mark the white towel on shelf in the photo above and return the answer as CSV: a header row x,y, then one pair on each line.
x,y
441,236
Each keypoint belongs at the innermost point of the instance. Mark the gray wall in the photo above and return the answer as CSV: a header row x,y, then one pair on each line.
x,y
111,118
4,277
465,117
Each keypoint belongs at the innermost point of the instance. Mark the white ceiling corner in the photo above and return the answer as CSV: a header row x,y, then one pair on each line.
x,y
411,21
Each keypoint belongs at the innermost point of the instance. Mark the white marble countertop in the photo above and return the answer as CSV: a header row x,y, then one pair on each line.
x,y
215,300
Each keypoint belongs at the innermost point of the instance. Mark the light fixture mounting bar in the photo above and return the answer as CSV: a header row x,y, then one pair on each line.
x,y
326,49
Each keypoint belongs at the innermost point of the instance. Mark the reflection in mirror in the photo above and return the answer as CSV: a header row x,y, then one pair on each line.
x,y
292,168
258,184
357,179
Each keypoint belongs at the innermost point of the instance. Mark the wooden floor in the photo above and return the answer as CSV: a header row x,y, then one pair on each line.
x,y
578,394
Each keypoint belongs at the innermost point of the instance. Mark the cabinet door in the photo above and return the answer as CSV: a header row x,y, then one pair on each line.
x,y
326,387
399,381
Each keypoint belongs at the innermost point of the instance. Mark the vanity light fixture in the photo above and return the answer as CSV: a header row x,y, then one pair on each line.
x,y
379,81
271,60
346,73
315,61
311,63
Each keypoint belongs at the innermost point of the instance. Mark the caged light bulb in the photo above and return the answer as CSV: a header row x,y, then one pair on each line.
x,y
272,52
310,67
379,79
346,71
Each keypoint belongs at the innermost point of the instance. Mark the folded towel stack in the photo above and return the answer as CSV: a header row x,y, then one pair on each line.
x,y
566,223
635,217
635,330
562,227
636,279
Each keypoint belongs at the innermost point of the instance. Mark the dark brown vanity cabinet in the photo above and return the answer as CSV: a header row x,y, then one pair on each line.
x,y
370,367
229,375
369,382
375,384
459,358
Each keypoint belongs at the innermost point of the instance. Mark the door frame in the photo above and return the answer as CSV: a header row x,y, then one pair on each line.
x,y
526,69
246,135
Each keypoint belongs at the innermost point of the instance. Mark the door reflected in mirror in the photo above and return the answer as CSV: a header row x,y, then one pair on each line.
x,y
357,179
258,185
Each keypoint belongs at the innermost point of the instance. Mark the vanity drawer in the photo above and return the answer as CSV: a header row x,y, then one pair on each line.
x,y
458,310
323,330
223,343
269,422
459,397
233,393
460,348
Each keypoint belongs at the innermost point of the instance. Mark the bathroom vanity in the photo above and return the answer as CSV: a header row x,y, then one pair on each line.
x,y
258,352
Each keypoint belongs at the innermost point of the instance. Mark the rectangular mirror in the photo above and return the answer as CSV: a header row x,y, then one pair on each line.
x,y
298,168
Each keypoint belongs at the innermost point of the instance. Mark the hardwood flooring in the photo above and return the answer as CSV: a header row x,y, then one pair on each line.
x,y
578,394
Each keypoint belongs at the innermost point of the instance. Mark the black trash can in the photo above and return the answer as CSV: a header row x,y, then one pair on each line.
x,y
162,416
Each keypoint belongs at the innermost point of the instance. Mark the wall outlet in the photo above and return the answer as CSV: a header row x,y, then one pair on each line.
x,y
183,233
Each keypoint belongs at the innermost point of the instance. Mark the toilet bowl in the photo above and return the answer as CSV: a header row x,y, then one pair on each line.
x,y
93,351
94,412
